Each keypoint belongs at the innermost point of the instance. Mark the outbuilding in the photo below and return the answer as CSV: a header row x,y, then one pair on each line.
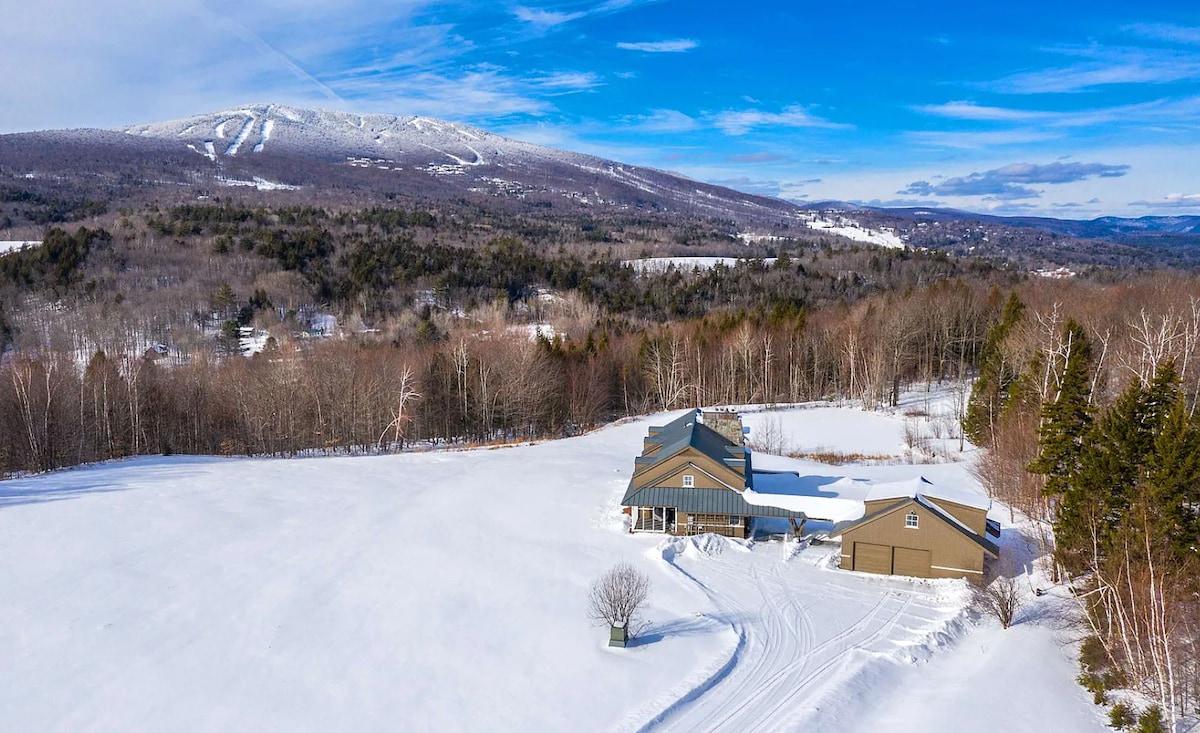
x,y
913,528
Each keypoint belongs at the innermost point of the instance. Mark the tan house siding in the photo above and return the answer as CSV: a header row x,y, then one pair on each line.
x,y
973,517
652,475
879,505
701,478
952,555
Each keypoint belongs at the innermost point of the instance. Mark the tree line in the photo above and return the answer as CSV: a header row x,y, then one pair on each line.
x,y
1090,413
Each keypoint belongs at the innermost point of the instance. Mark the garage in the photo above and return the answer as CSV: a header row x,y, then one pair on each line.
x,y
870,558
914,563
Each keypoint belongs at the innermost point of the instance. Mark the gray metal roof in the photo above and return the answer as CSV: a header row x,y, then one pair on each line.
x,y
685,431
703,501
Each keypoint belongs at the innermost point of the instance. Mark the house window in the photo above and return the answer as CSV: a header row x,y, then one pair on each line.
x,y
735,521
911,520
689,481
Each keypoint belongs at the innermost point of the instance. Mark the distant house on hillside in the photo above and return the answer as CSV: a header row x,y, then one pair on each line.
x,y
913,528
691,477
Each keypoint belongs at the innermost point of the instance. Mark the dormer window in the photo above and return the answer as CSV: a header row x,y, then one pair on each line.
x,y
689,481
911,521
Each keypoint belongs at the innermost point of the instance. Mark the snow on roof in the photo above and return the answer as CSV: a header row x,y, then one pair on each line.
x,y
921,486
843,499
837,499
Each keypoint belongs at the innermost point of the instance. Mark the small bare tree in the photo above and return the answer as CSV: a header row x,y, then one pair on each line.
x,y
1001,599
617,597
769,437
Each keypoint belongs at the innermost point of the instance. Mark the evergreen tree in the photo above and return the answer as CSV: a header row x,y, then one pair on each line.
x,y
1172,482
993,390
1067,416
1142,453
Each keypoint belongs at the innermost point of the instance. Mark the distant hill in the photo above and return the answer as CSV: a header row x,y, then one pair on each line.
x,y
276,147
293,155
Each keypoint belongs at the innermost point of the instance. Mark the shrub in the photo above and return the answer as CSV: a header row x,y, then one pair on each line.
x,y
1092,655
1121,716
1094,684
1151,721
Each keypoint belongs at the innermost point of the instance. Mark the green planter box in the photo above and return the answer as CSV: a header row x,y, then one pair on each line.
x,y
618,636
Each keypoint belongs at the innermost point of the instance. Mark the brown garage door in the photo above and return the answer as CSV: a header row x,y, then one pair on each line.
x,y
911,562
872,558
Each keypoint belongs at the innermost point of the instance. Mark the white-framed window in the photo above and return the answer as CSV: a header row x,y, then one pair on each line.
x,y
735,521
911,521
689,481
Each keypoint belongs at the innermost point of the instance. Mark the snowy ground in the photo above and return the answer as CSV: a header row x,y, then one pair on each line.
x,y
446,591
7,246
662,264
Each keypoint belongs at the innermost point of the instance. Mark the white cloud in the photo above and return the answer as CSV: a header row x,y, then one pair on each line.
x,y
545,18
1169,32
969,140
567,81
1157,112
740,122
1171,201
972,111
1104,66
548,19
676,46
661,120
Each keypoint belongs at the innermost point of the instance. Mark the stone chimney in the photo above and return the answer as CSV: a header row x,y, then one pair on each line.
x,y
725,422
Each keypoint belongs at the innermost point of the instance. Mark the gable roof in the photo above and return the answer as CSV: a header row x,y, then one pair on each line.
x,y
687,431
921,486
988,546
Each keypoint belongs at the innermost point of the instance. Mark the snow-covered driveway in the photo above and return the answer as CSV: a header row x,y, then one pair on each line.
x,y
802,632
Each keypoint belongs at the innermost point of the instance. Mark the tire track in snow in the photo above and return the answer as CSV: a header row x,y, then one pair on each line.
x,y
773,716
708,680
767,675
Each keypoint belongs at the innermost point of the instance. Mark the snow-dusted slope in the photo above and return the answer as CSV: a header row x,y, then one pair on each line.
x,y
257,129
409,150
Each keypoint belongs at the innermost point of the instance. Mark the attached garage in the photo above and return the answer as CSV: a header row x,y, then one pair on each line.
x,y
869,558
914,563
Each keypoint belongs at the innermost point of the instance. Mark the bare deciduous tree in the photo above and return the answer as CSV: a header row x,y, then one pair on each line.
x,y
617,597
770,438
1000,599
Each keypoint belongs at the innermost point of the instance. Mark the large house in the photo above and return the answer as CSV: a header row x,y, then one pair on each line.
x,y
694,476
691,477
913,528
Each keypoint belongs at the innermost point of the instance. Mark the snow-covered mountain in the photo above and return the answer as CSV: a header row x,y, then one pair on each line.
x,y
250,144
345,136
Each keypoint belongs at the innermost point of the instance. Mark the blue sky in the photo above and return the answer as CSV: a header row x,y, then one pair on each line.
x,y
1065,108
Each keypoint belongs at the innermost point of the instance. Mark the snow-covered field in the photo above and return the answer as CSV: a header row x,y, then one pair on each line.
x,y
446,591
7,246
851,229
662,264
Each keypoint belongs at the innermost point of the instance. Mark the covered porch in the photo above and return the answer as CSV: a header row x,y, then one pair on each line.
x,y
686,512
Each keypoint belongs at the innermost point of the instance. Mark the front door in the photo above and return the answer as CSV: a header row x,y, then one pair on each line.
x,y
670,519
